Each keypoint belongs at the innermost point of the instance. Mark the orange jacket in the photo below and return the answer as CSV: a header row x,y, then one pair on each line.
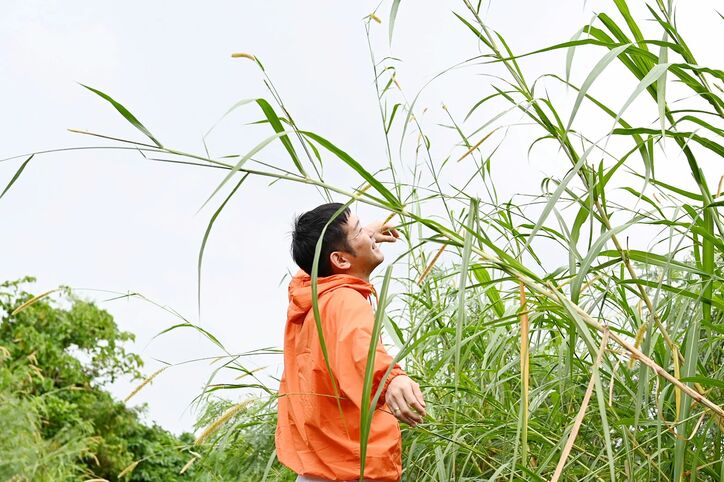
x,y
312,437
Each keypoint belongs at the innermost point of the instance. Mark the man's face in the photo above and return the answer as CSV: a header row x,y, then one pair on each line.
x,y
366,254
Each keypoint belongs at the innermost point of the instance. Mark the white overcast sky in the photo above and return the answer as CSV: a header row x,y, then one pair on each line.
x,y
108,220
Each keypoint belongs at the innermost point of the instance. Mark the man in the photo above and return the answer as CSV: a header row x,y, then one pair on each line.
x,y
318,433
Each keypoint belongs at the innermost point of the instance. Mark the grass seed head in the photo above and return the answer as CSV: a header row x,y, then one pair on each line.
x,y
242,55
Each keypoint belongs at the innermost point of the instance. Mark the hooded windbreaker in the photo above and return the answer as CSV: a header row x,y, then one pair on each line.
x,y
312,437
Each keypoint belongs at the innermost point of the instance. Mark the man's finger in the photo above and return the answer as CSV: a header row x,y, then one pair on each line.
x,y
398,407
411,417
418,395
390,230
405,415
394,403
411,398
383,238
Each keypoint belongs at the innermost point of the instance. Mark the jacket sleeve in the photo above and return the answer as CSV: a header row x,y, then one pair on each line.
x,y
353,324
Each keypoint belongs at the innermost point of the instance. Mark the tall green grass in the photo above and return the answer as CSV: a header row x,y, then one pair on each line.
x,y
607,367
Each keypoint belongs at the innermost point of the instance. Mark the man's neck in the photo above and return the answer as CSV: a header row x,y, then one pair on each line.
x,y
363,276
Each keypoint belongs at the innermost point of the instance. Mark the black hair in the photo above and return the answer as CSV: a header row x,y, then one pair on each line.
x,y
307,229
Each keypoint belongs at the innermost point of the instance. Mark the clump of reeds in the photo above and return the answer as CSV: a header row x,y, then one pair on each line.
x,y
608,366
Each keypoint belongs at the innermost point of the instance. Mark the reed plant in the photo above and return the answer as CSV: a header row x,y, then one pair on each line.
x,y
605,366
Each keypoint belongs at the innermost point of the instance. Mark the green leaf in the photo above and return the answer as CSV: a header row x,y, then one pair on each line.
x,y
126,114
714,300
204,332
685,136
475,31
651,77
460,318
241,163
625,12
550,204
279,129
705,381
393,16
367,404
206,237
491,291
654,260
17,175
347,159
569,54
229,111
592,254
593,75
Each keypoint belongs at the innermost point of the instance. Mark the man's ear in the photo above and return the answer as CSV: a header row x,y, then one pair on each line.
x,y
339,261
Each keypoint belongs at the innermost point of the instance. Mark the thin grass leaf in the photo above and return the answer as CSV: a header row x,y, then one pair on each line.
x,y
464,265
347,159
126,114
367,408
279,129
553,199
204,332
652,76
241,162
661,84
600,66
666,262
491,291
16,175
206,237
228,111
569,54
393,17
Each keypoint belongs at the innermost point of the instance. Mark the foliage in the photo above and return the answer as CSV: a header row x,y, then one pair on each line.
x,y
59,423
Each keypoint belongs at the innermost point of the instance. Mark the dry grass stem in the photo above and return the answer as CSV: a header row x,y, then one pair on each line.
x,y
431,265
581,412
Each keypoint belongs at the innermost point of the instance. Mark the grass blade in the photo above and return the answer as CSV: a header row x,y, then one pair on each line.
x,y
126,114
366,404
393,16
395,203
279,129
206,237
16,176
609,57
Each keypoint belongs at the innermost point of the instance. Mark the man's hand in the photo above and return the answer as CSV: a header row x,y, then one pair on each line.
x,y
383,232
404,399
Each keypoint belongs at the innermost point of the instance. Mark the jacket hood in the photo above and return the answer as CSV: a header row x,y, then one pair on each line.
x,y
300,291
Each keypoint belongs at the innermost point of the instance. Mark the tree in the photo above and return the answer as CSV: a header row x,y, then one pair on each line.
x,y
55,358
